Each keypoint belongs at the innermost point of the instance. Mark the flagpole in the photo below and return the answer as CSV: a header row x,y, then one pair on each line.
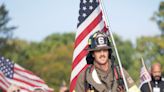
x,y
115,48
146,70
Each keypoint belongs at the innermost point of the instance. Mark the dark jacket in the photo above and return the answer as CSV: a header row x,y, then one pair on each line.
x,y
160,85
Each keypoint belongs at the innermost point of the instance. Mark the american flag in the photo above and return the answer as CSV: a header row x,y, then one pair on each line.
x,y
144,76
90,20
11,73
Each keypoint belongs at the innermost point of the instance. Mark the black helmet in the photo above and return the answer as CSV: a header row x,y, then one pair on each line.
x,y
99,40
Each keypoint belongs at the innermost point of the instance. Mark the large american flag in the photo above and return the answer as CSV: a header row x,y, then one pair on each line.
x,y
11,73
90,20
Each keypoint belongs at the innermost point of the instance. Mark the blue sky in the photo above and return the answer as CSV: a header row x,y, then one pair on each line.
x,y
37,19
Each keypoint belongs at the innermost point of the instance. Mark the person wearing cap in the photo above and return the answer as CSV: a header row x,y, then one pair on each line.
x,y
99,76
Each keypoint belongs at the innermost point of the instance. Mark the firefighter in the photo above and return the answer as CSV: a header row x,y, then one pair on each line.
x,y
101,75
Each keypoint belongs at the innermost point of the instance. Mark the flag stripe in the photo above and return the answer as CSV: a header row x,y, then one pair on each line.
x,y
2,85
88,29
25,75
78,68
90,20
23,81
2,77
79,57
87,22
25,89
19,83
144,76
26,80
18,68
73,82
78,51
84,43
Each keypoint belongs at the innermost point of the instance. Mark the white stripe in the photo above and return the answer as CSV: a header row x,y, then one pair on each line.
x,y
84,42
3,86
30,81
88,21
32,76
29,76
21,84
5,82
3,78
78,68
79,48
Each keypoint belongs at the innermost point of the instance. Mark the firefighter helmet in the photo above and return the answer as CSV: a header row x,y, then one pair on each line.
x,y
98,41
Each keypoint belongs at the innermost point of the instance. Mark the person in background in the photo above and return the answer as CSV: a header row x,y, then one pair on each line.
x,y
157,82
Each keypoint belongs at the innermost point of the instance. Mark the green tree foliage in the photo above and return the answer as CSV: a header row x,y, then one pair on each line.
x,y
152,49
50,59
125,50
127,53
159,17
5,30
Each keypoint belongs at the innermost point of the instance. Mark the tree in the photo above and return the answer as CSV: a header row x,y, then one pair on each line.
x,y
152,50
125,50
5,31
158,17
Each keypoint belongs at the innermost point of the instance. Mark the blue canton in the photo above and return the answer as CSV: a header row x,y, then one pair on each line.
x,y
86,8
7,67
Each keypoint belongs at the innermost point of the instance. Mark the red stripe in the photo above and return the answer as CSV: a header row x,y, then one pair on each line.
x,y
23,70
82,36
4,78
3,84
79,57
39,81
73,82
26,71
105,29
88,29
30,73
25,89
28,83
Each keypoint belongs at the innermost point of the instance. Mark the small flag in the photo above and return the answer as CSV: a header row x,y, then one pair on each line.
x,y
144,75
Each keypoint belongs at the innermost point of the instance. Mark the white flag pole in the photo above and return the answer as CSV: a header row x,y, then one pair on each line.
x,y
113,41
